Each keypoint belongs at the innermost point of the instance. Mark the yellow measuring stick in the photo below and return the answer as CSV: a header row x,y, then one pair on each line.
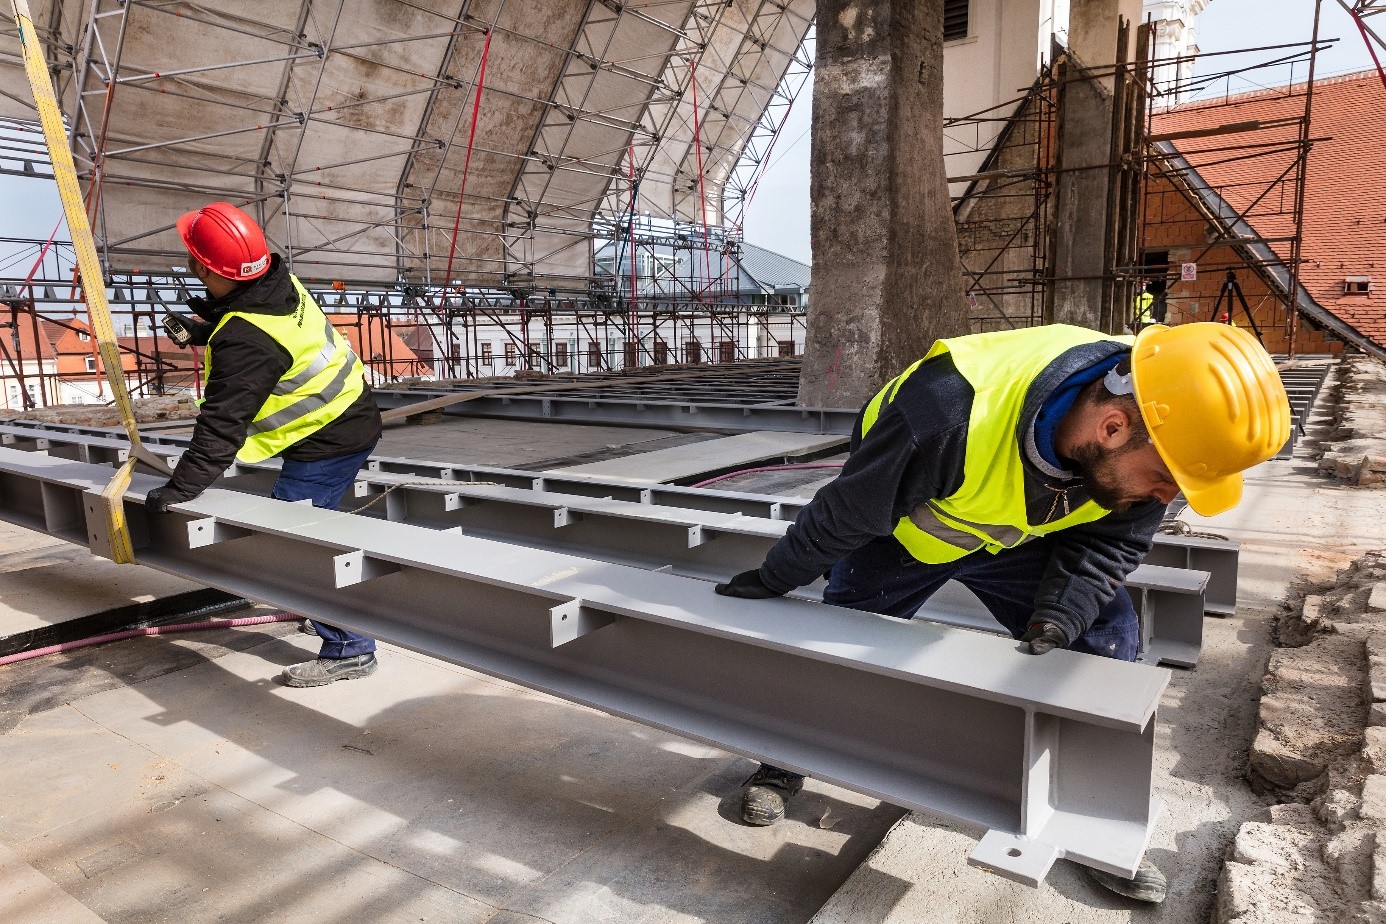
x,y
93,284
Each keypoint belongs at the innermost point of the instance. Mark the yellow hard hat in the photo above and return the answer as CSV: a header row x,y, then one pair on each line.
x,y
1214,406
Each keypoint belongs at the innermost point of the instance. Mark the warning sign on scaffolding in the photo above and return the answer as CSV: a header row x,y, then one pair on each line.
x,y
1188,272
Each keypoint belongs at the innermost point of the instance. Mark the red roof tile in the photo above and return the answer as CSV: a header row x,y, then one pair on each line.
x,y
1345,192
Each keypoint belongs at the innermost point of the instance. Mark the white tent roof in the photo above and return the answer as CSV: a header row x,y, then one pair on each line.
x,y
344,126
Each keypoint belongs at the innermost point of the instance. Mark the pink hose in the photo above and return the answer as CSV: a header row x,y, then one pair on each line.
x,y
151,630
767,468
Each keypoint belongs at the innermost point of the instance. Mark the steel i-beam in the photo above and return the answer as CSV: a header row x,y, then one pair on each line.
x,y
1168,601
1217,557
1052,756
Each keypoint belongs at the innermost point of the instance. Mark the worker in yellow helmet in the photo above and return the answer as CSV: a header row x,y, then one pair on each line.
x,y
1032,466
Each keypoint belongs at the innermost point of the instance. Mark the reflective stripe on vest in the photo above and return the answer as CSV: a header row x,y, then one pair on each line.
x,y
988,509
324,378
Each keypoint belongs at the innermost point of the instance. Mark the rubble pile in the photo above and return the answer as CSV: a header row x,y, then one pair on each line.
x,y
147,410
1355,446
1319,761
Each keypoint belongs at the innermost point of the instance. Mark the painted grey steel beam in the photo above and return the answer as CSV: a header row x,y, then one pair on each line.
x,y
1169,601
672,506
1218,557
1051,756
637,413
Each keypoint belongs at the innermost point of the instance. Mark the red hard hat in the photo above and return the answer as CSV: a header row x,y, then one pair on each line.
x,y
225,240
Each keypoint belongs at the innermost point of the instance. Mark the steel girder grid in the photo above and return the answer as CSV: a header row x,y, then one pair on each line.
x,y
622,523
320,196
1051,756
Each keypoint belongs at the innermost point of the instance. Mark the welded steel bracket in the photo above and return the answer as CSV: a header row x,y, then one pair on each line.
x,y
1054,756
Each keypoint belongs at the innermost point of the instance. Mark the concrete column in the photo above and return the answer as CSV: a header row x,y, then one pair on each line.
x,y
887,280
1082,294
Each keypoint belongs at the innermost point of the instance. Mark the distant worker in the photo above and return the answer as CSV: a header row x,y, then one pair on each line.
x,y
1032,466
1143,312
279,380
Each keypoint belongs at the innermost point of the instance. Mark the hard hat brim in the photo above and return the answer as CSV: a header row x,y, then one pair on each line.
x,y
1208,499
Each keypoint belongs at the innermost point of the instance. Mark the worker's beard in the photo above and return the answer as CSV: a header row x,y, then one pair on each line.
x,y
1101,477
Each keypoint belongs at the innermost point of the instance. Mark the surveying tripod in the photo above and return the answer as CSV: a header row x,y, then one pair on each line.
x,y
1231,288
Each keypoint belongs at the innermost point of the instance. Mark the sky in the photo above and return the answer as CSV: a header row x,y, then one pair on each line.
x,y
778,216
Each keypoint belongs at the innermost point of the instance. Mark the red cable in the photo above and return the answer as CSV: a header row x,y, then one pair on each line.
x,y
151,630
467,163
702,194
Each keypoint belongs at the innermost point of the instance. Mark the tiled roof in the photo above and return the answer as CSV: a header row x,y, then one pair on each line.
x,y
1345,192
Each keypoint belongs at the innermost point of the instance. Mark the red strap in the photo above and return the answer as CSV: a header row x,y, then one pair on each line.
x,y
702,194
467,163
1362,27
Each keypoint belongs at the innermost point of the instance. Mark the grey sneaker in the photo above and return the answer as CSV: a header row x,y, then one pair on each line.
x,y
325,670
307,628
1148,885
765,794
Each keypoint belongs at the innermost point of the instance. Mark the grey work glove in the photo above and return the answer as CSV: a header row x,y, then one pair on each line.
x,y
1044,637
748,586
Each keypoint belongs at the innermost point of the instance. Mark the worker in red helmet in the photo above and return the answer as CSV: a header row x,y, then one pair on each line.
x,y
278,380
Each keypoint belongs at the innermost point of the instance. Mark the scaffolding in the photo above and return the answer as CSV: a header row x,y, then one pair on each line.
x,y
441,175
1005,209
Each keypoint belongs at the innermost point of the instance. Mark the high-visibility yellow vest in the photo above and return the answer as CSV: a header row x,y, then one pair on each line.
x,y
324,379
1144,302
988,509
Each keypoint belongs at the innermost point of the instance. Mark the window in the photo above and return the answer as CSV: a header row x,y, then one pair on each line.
x,y
632,354
91,363
83,336
1357,285
534,356
594,354
560,354
692,352
661,353
954,19
787,348
726,351
509,354
486,358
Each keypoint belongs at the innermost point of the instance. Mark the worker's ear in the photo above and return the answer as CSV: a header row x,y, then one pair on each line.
x,y
1114,427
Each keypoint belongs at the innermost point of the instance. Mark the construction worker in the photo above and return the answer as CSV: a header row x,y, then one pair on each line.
x,y
279,380
1032,466
1143,314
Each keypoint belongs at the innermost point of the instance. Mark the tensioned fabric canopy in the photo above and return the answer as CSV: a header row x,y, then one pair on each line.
x,y
346,126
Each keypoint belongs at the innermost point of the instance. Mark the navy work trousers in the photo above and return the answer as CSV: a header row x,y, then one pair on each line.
x,y
325,483
882,577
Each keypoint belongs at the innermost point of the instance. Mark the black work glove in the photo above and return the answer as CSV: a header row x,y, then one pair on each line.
x,y
185,330
1044,637
748,586
163,497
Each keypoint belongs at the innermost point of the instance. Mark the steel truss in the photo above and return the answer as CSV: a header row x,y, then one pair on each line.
x,y
1051,756
444,330
345,127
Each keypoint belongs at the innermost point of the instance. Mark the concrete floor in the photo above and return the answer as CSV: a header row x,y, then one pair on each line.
x,y
171,779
